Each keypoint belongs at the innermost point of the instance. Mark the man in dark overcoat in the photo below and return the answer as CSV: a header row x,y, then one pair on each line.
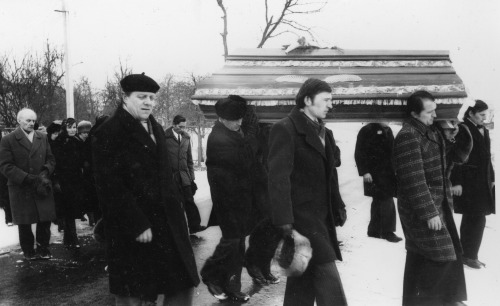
x,y
373,158
27,162
148,247
473,184
434,272
181,159
304,193
230,169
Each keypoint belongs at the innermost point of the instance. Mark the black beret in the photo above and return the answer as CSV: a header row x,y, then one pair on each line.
x,y
231,108
139,82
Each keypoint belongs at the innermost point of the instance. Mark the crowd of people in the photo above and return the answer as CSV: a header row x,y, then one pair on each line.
x,y
277,184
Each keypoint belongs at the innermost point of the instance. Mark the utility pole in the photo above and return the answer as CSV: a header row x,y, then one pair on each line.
x,y
70,104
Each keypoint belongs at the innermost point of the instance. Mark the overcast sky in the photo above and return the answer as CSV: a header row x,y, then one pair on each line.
x,y
168,36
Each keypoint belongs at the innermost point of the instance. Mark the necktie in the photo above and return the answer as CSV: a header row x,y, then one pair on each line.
x,y
179,138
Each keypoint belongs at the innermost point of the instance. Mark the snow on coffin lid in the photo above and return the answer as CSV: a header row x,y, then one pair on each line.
x,y
366,84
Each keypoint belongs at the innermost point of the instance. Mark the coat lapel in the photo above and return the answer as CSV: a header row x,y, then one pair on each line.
x,y
302,127
330,151
22,139
135,129
479,141
37,142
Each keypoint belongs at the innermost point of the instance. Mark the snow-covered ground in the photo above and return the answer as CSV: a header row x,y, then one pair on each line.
x,y
372,270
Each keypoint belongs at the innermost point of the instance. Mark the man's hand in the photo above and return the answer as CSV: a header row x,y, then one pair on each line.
x,y
287,230
367,178
341,217
456,190
145,237
435,223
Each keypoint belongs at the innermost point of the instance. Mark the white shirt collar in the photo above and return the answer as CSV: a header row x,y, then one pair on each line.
x,y
30,135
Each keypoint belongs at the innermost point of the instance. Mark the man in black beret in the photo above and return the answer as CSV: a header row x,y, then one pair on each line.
x,y
234,187
148,247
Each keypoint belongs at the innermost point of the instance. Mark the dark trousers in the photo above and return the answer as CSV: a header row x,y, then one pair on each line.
x,y
320,283
8,213
428,282
192,213
224,267
27,240
262,245
70,237
471,234
383,216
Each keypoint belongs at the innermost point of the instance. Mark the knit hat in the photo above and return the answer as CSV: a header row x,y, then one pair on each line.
x,y
84,126
139,82
231,108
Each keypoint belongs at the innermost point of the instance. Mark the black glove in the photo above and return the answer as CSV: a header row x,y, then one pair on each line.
x,y
30,180
285,257
43,184
340,217
194,187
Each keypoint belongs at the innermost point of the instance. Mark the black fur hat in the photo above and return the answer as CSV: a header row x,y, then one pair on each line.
x,y
231,108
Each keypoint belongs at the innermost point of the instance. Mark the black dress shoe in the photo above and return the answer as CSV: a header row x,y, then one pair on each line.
x,y
238,296
373,235
481,263
454,304
391,237
271,279
216,291
471,263
196,229
256,275
31,255
44,253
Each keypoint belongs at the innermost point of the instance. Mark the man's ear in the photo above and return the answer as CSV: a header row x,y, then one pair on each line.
x,y
307,101
414,115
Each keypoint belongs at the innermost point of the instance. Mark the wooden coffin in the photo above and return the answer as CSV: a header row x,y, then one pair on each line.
x,y
367,85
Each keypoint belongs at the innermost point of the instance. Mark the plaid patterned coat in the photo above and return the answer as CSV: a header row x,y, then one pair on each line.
x,y
424,192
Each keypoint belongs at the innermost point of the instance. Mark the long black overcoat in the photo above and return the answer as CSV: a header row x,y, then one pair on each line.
x,y
234,183
136,191
303,183
373,155
476,177
69,167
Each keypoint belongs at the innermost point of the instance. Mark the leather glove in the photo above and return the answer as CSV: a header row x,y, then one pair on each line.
x,y
288,249
340,217
30,180
43,184
194,187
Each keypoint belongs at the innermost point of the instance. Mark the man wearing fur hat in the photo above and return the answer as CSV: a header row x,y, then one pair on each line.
x,y
304,193
235,190
148,247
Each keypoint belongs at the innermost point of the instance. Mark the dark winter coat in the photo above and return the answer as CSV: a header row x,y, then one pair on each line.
x,y
303,183
423,191
55,146
234,183
69,167
136,191
180,157
18,158
373,155
476,177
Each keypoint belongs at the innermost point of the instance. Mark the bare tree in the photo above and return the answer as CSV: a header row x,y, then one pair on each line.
x,y
87,100
224,33
284,22
33,82
111,95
